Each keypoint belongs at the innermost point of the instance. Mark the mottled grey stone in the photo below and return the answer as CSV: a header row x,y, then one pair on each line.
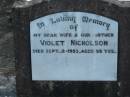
x,y
7,57
119,3
7,85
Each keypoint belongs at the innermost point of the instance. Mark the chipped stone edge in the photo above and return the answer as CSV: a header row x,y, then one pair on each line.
x,y
119,3
28,3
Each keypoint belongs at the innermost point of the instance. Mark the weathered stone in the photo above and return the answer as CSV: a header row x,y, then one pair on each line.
x,y
28,88
7,57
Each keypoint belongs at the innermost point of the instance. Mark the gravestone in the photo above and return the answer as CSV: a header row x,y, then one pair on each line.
x,y
68,48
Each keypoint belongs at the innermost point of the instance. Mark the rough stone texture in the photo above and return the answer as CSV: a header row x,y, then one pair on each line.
x,y
119,3
23,3
6,35
7,85
7,71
